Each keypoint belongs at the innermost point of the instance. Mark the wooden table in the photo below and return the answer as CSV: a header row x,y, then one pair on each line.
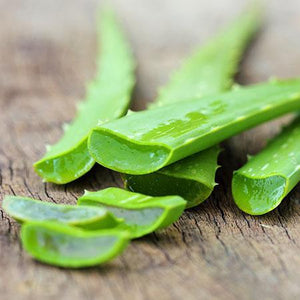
x,y
214,251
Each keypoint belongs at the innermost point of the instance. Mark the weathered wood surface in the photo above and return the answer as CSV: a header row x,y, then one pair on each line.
x,y
214,251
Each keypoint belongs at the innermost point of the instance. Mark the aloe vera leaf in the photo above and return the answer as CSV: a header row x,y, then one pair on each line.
x,y
147,141
107,98
192,178
29,210
210,69
141,214
65,246
206,72
263,182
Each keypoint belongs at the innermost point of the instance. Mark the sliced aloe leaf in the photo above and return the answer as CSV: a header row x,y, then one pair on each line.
x,y
147,141
107,98
66,246
27,210
263,182
141,214
192,178
207,72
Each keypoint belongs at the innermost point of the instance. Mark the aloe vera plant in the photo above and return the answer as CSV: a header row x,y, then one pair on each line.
x,y
27,210
66,246
107,98
141,214
147,141
207,72
263,182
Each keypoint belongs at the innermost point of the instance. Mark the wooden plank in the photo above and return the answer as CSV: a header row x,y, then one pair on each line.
x,y
214,251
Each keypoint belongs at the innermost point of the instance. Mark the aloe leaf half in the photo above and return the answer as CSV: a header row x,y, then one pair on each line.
x,y
264,181
107,98
147,141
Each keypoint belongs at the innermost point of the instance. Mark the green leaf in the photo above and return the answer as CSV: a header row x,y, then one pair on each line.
x,y
147,141
207,72
28,210
65,246
192,178
107,98
263,182
141,214
210,69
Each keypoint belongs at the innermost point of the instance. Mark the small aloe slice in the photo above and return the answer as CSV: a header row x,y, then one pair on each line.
x,y
207,72
65,246
107,98
27,210
147,141
141,214
263,182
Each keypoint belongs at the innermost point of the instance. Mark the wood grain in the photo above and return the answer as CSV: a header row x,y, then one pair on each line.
x,y
214,251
